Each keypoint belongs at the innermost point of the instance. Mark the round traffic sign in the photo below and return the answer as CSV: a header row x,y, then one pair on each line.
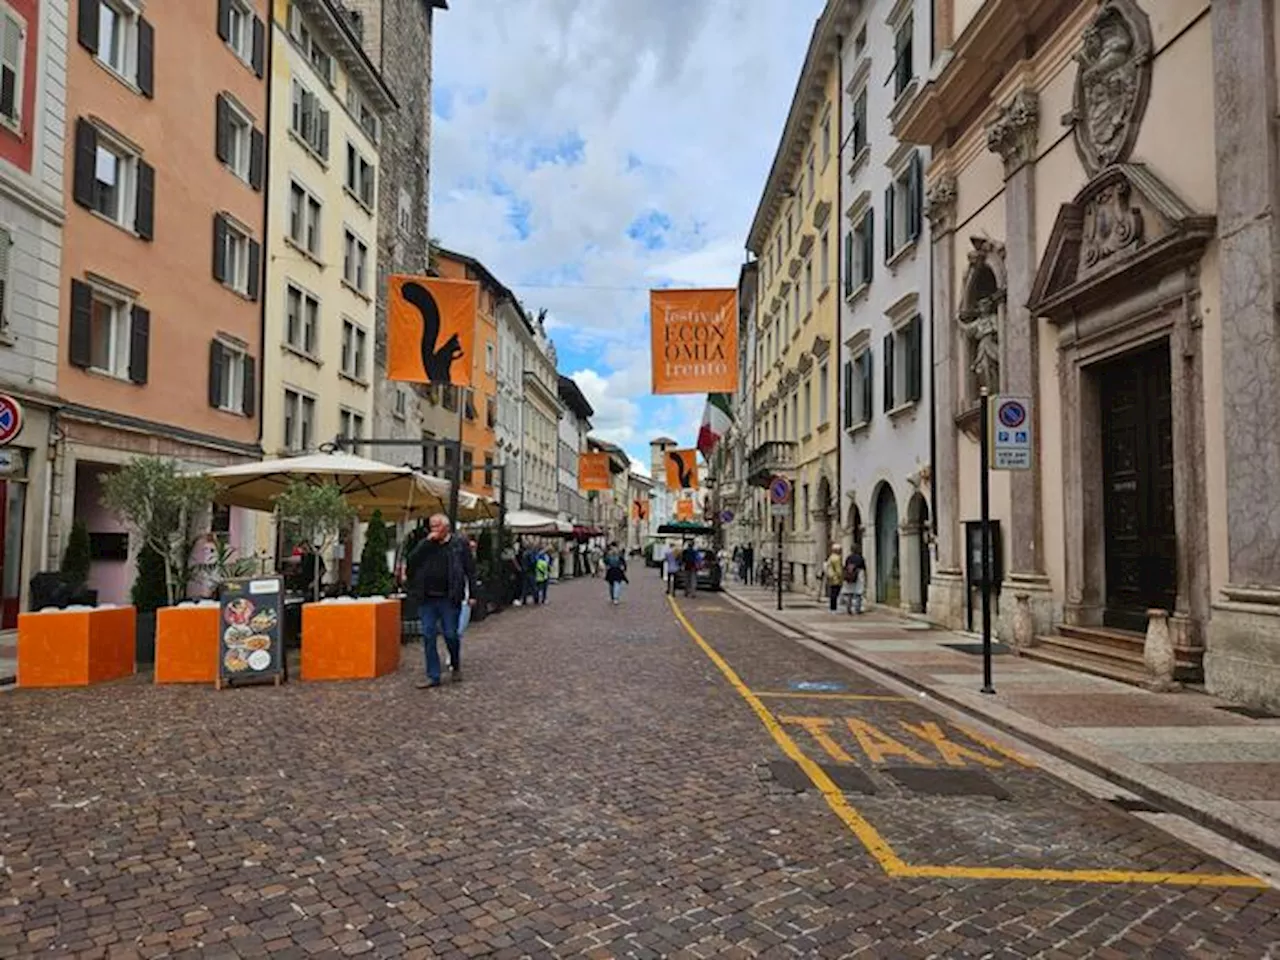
x,y
1011,413
726,516
10,419
779,490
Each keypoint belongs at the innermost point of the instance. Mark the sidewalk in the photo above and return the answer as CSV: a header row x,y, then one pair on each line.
x,y
1186,752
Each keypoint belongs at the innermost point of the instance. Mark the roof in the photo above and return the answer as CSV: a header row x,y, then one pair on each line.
x,y
657,440
488,279
573,398
821,56
332,17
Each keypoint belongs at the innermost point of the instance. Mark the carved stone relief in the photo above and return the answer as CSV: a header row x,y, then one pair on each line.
x,y
982,313
940,203
1112,225
1113,84
1015,130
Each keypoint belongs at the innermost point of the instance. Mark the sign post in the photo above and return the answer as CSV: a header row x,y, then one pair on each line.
x,y
984,495
780,498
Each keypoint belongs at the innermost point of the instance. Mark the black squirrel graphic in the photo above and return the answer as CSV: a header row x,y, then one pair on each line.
x,y
436,363
685,472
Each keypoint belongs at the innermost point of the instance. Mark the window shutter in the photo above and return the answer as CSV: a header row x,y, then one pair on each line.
x,y
888,372
848,263
888,223
139,344
915,208
915,360
81,340
86,159
222,130
848,394
219,248
259,46
224,19
144,221
255,267
257,158
868,385
869,246
250,387
146,58
323,143
216,359
87,26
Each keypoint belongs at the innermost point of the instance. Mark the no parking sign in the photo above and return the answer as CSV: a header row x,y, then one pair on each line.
x,y
1010,433
10,419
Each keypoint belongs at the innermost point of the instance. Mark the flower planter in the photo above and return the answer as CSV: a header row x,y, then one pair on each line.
x,y
186,644
76,646
350,639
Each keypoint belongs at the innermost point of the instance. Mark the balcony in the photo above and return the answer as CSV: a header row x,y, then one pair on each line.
x,y
770,458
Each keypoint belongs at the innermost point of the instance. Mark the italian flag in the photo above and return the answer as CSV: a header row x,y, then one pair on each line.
x,y
716,421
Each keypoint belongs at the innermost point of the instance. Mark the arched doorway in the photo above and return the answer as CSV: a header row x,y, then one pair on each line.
x,y
823,516
888,583
916,558
855,527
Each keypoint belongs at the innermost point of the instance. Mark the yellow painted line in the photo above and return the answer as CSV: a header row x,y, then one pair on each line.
x,y
884,854
829,696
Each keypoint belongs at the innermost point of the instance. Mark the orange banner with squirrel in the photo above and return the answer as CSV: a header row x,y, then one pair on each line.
x,y
593,472
684,509
694,340
682,469
431,326
640,509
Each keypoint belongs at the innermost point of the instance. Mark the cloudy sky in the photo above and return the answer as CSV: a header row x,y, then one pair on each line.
x,y
587,150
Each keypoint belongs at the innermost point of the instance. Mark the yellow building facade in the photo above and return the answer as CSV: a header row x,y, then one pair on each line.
x,y
327,102
795,237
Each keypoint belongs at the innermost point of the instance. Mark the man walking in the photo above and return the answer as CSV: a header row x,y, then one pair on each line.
x,y
835,575
689,564
442,577
855,581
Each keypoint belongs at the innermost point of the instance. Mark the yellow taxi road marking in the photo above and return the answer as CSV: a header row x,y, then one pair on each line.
x,y
884,854
795,695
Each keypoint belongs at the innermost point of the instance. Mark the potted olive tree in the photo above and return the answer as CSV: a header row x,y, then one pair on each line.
x,y
162,506
319,513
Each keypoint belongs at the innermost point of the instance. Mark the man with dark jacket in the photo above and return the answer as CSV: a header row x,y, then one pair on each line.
x,y
442,577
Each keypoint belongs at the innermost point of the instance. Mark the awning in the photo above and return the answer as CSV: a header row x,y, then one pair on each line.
x,y
530,521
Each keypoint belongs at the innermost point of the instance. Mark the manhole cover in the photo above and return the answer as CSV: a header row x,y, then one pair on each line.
x,y
1134,805
850,779
947,783
1249,712
975,649
817,686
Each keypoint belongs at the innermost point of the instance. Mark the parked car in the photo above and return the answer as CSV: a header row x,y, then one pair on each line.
x,y
709,573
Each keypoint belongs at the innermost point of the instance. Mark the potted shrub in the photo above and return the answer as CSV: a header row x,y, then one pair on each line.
x,y
320,513
375,578
148,595
76,560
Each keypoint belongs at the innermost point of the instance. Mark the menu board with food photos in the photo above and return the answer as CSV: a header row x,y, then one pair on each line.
x,y
251,642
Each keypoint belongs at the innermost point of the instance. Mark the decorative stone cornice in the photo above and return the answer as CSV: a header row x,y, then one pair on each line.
x,y
1015,131
940,204
806,362
821,346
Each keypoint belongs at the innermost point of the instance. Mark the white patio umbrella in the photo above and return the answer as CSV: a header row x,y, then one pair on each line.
x,y
400,492
532,522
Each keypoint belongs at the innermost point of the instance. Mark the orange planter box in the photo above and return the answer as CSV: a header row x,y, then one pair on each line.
x,y
350,641
187,644
75,648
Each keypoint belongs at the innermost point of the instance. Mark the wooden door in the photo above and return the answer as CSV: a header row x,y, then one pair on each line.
x,y
1137,469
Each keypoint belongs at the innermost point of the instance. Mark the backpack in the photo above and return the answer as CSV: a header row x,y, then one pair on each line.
x,y
543,568
851,568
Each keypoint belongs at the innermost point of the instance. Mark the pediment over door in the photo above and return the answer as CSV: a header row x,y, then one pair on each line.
x,y
1123,231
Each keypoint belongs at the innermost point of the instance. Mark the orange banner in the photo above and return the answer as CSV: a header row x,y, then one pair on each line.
x,y
640,509
682,469
431,325
593,472
684,509
694,340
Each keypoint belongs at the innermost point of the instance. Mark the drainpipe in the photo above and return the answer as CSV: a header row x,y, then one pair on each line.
x,y
266,220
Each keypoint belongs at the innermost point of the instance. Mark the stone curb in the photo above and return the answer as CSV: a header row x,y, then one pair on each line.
x,y
1224,816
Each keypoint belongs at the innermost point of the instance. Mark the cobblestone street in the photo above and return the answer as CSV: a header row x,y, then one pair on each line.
x,y
607,782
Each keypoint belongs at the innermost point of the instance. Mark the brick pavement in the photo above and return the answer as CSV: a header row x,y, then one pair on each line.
x,y
595,788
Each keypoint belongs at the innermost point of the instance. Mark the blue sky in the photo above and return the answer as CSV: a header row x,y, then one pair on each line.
x,y
589,150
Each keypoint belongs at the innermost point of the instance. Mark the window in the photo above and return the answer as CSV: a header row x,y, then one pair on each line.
x,y
904,206
797,315
233,257
808,288
795,419
354,340
824,388
488,471
826,137
858,135
113,184
240,30
791,218
860,41
355,261
903,68
362,112
904,364
302,320
360,176
13,42
309,121
824,268
232,380
811,175
304,219
110,336
350,424
299,420
405,221
116,37
450,399
491,415
808,519
808,408
859,254
239,146
402,405
858,377
468,462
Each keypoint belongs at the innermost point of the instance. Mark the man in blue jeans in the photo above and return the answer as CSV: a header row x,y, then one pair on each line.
x,y
442,577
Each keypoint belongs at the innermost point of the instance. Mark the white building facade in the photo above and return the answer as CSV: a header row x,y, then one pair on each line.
x,y
513,333
885,402
575,425
541,423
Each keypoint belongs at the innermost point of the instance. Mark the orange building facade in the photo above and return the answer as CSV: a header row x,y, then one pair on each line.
x,y
480,404
161,276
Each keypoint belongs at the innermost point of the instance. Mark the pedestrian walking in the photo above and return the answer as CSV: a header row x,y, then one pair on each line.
x,y
689,564
855,581
529,569
442,577
615,572
834,575
660,551
749,564
542,575
671,567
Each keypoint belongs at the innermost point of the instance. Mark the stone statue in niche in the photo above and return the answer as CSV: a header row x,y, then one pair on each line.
x,y
1113,83
982,314
1112,224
